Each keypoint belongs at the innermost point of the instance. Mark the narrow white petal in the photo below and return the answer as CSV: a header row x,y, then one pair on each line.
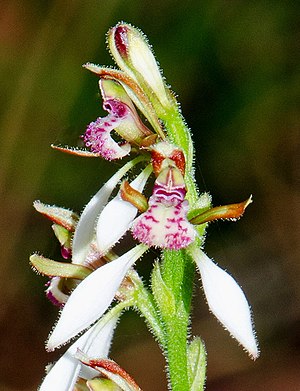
x,y
92,297
117,215
63,375
95,343
227,302
99,340
85,229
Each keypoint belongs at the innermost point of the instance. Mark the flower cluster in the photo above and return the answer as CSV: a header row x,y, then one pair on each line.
x,y
165,216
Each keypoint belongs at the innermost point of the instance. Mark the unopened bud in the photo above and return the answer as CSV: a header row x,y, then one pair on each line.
x,y
133,54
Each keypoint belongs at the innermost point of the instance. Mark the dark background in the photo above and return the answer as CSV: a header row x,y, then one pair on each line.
x,y
235,68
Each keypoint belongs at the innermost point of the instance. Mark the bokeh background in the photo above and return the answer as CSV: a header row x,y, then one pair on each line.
x,y
235,67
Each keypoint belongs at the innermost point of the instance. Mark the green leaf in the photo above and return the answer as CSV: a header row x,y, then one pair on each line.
x,y
196,364
163,295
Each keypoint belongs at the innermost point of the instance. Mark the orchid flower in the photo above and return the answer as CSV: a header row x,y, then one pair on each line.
x,y
165,225
122,118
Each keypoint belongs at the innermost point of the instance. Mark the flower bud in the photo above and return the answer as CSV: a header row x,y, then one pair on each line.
x,y
133,55
111,370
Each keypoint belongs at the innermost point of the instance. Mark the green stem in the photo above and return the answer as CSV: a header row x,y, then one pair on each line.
x,y
178,275
178,270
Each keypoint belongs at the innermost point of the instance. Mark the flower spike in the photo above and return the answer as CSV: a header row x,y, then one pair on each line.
x,y
171,215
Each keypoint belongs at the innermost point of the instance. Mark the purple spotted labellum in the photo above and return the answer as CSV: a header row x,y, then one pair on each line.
x,y
164,224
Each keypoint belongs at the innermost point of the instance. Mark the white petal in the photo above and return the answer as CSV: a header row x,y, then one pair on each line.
x,y
117,216
95,343
227,302
85,229
99,340
92,297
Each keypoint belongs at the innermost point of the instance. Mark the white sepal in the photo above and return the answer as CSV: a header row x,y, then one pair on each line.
x,y
85,230
117,216
95,342
227,301
92,297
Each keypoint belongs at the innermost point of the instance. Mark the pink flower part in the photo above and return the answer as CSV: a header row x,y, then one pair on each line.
x,y
66,252
54,292
165,224
97,136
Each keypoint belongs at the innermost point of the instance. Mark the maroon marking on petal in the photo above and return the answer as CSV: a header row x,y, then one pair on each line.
x,y
169,192
150,217
178,157
156,159
116,107
121,40
53,299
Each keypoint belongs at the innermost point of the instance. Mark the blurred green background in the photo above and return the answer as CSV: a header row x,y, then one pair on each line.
x,y
235,68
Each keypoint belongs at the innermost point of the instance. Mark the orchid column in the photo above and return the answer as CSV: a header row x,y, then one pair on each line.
x,y
168,214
